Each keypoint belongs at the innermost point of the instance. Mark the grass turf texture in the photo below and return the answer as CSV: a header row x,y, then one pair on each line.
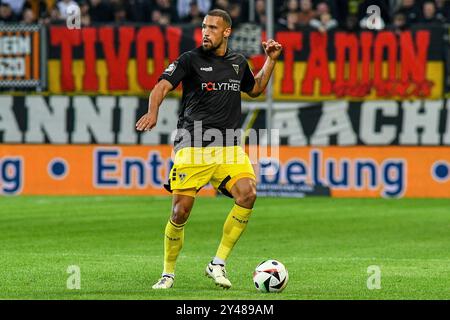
x,y
327,245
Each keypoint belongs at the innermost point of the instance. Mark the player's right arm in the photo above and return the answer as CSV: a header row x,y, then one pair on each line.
x,y
169,80
159,92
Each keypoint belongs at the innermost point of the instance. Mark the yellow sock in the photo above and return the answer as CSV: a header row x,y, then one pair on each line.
x,y
235,224
173,242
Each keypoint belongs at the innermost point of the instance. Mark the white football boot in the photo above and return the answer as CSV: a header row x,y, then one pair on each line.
x,y
166,282
218,273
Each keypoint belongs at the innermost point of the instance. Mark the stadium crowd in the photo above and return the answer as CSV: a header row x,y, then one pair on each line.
x,y
289,14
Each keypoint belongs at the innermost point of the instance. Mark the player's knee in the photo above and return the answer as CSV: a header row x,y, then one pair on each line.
x,y
252,196
180,212
246,197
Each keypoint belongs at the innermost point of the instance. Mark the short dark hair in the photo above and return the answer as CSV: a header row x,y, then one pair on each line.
x,y
221,13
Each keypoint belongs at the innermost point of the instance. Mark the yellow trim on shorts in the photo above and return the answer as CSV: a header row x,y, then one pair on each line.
x,y
185,192
233,180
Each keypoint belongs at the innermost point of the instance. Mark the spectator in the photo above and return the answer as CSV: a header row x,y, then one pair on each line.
x,y
322,8
192,11
260,8
399,23
221,4
410,10
324,23
167,10
28,16
194,15
160,18
292,6
85,18
351,23
184,7
289,7
306,13
332,6
16,6
429,13
55,16
39,8
63,6
120,14
236,14
443,10
292,21
6,13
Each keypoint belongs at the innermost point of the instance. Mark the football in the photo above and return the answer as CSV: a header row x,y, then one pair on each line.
x,y
270,276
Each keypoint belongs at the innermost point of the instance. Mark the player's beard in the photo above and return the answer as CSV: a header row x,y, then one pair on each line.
x,y
213,47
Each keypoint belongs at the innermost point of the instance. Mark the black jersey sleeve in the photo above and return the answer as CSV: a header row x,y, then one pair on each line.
x,y
176,71
248,80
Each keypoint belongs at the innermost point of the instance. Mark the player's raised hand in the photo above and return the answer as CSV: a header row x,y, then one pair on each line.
x,y
272,48
147,122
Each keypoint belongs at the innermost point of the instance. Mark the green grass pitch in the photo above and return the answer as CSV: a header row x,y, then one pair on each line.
x,y
327,245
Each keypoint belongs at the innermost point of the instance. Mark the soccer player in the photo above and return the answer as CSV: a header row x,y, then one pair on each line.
x,y
213,77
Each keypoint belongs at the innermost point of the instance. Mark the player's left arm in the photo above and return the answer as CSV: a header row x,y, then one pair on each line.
x,y
273,50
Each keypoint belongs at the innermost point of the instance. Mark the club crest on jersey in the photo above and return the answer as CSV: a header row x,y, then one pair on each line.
x,y
182,176
171,68
236,68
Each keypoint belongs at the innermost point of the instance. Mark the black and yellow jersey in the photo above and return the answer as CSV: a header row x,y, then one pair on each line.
x,y
211,97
